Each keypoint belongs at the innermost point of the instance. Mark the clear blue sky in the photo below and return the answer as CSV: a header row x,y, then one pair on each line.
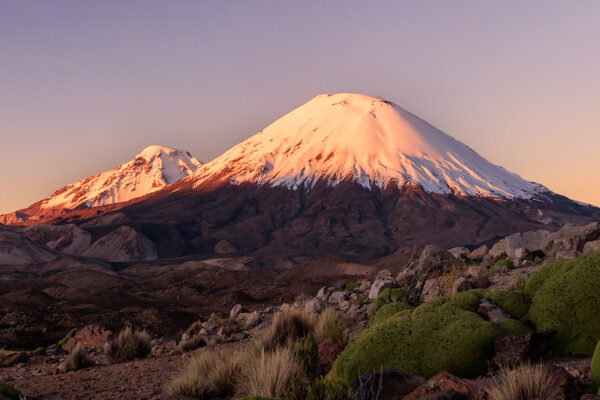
x,y
84,85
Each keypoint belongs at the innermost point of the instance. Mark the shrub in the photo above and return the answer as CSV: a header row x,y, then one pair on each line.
x,y
78,358
286,328
524,383
330,389
8,392
267,374
351,286
505,263
595,370
331,325
390,295
443,334
194,329
387,311
195,342
565,298
306,353
209,375
128,345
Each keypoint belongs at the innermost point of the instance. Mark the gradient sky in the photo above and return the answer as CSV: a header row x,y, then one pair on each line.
x,y
84,86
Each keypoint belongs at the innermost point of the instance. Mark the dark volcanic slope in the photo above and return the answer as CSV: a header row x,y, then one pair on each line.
x,y
274,223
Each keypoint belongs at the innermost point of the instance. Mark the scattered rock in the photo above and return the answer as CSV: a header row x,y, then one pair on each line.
x,y
491,312
568,255
436,261
394,384
498,250
511,350
570,388
591,247
461,253
235,311
88,336
313,305
479,253
443,383
384,274
15,358
337,297
571,238
377,287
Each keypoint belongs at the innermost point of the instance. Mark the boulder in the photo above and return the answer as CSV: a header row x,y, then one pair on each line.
x,y
531,241
436,262
337,297
322,293
461,253
511,350
384,274
224,247
377,287
314,305
591,247
567,255
235,311
253,319
394,384
88,336
498,250
520,254
479,253
491,312
571,238
443,383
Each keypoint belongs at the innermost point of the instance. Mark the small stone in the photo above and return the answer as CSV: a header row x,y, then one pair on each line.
x,y
377,287
337,297
235,311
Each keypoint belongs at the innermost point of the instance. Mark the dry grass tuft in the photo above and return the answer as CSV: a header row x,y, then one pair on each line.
x,y
209,375
3,355
331,325
79,358
286,328
267,374
195,342
527,382
128,346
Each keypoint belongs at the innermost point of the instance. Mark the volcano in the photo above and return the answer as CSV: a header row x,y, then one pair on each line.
x,y
343,175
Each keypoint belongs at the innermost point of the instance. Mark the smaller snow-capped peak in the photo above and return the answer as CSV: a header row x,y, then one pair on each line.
x,y
373,142
151,170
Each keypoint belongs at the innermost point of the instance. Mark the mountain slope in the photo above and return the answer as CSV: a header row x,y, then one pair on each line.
x,y
367,140
151,170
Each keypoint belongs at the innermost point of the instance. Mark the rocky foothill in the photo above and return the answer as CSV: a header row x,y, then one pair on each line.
x,y
47,372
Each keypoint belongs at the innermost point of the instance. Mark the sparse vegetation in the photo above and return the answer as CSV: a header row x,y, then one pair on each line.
x,y
78,358
267,374
331,325
330,389
565,298
286,328
209,375
195,342
527,382
128,345
8,392
505,262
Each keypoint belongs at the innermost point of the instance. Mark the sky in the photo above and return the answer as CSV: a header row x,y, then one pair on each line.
x,y
84,86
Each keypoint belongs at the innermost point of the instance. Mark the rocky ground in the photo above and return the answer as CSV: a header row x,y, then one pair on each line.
x,y
235,306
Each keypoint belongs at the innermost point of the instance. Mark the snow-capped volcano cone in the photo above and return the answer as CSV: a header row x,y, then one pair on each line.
x,y
365,139
151,170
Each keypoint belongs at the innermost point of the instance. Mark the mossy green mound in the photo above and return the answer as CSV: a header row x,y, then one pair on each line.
x,y
596,368
8,392
386,311
566,298
389,295
443,334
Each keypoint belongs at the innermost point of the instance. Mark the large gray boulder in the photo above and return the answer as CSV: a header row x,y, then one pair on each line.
x,y
571,238
461,253
436,261
479,253
498,250
531,241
